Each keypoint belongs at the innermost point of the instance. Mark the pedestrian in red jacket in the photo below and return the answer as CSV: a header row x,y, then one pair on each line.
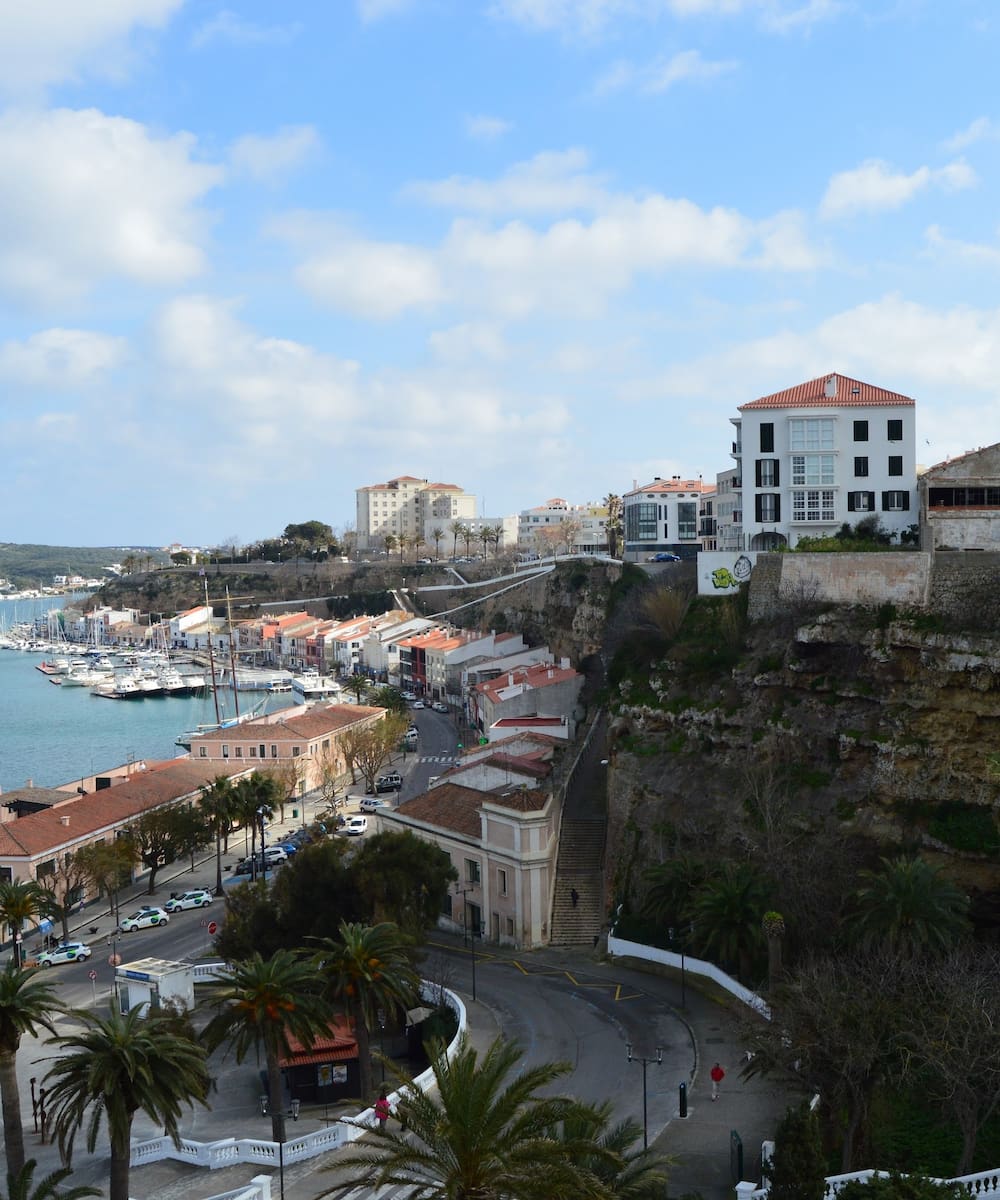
x,y
382,1110
717,1075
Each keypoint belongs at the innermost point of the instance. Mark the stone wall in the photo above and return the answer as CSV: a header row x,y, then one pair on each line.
x,y
965,588
794,580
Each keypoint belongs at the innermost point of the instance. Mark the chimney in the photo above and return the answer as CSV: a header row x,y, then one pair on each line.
x,y
64,820
830,388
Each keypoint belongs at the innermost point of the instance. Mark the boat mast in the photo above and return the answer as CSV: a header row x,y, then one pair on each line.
x,y
211,658
232,653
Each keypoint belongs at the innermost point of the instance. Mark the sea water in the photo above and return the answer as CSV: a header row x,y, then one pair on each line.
x,y
53,735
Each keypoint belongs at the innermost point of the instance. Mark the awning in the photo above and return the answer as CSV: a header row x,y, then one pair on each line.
x,y
415,1015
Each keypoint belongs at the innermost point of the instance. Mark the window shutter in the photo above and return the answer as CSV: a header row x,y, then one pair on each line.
x,y
906,501
871,501
757,471
885,501
851,498
758,503
777,508
767,436
777,478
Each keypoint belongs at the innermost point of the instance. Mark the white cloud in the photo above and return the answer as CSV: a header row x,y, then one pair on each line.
x,y
663,73
375,10
982,129
87,196
53,41
376,280
468,342
552,181
229,27
588,18
486,129
60,358
267,157
875,187
781,20
955,249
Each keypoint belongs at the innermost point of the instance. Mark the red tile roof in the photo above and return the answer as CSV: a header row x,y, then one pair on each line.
x,y
813,395
340,1046
663,486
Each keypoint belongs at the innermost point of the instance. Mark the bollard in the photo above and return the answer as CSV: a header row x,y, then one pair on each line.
x,y
683,1102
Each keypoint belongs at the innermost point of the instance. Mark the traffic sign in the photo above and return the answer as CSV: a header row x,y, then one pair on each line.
x,y
213,929
92,973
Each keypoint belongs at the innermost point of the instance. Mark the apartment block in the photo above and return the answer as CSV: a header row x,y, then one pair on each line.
x,y
402,507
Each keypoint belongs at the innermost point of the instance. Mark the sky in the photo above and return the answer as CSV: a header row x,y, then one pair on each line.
x,y
256,255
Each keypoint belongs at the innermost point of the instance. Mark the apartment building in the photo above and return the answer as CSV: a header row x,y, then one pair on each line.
x,y
557,527
403,506
663,516
821,454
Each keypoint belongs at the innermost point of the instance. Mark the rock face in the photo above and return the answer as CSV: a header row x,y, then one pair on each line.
x,y
879,727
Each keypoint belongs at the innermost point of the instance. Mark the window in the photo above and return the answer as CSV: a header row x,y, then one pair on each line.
x,y
767,437
640,522
767,472
239,751
895,464
894,430
510,926
502,880
274,751
203,752
861,431
813,506
687,520
471,870
45,868
861,468
768,507
296,751
811,433
860,501
895,501
263,752
225,751
812,469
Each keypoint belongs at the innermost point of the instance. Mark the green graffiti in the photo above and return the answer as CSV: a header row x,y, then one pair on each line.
x,y
722,577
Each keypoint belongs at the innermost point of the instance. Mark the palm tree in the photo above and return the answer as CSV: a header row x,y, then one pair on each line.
x,y
391,542
485,1132
368,969
467,535
437,535
497,536
27,1004
265,1003
909,907
727,912
19,1185
627,1171
217,805
456,529
613,521
486,536
254,800
671,885
20,900
115,1067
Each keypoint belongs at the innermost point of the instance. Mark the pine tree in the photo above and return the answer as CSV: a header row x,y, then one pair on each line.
x,y
798,1169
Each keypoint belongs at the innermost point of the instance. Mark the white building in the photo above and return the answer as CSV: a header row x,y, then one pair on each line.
x,y
557,527
448,543
404,506
822,454
663,516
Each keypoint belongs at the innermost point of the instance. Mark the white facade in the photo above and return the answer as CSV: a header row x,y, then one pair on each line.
x,y
663,516
448,544
558,527
402,507
822,454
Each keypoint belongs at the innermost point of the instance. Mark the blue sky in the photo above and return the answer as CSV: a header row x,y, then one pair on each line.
x,y
253,256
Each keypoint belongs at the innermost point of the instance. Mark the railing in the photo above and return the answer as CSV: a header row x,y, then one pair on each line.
x,y
259,1188
982,1183
227,1152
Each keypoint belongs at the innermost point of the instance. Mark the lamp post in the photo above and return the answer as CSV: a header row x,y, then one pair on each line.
x,y
293,1112
645,1063
681,939
380,1017
464,893
113,960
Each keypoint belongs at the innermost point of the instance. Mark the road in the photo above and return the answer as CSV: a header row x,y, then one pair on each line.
x,y
436,751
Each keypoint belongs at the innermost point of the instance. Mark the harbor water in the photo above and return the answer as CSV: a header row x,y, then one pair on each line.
x,y
53,735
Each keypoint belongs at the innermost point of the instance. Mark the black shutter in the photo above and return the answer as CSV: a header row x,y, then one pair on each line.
x,y
871,501
767,437
757,471
777,476
758,507
777,508
906,501
885,501
851,497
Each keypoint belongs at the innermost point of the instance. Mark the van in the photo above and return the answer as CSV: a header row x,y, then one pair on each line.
x,y
389,783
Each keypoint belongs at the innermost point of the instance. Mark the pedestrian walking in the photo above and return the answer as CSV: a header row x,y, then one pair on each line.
x,y
574,897
382,1110
717,1075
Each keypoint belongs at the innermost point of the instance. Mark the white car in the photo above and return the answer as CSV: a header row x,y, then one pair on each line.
x,y
145,918
418,704
439,706
63,953
372,804
409,695
355,826
199,898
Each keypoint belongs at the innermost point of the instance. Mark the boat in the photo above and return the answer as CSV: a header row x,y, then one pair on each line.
x,y
80,677
311,686
250,714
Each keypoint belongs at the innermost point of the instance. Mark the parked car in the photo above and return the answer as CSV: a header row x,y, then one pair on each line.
x,y
289,847
145,918
372,804
63,953
409,695
418,704
439,706
389,783
198,898
355,826
663,556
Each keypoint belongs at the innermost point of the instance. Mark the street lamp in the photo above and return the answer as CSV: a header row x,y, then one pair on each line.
x,y
113,960
645,1063
380,1017
293,1112
464,893
681,939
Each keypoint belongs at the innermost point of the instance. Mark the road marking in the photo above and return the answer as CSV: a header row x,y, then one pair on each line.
x,y
615,988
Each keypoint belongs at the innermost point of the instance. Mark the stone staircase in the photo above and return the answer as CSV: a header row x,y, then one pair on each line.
x,y
579,868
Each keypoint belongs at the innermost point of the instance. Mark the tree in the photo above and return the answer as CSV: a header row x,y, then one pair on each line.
x,y
390,542
437,535
254,798
64,885
727,911
389,698
314,534
613,523
468,533
368,747
623,1168
670,886
287,776
569,533
484,1132
108,866
798,1168
456,529
264,1003
357,684
20,901
21,1185
115,1067
497,537
486,536
368,969
27,1005
909,907
157,837
401,878
217,805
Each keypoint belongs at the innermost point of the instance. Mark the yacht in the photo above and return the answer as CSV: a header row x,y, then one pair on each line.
x,y
311,686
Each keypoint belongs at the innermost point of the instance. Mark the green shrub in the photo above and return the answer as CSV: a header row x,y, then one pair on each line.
x,y
965,827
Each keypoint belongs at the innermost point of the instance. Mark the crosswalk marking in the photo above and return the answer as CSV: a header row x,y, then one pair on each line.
x,y
443,759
